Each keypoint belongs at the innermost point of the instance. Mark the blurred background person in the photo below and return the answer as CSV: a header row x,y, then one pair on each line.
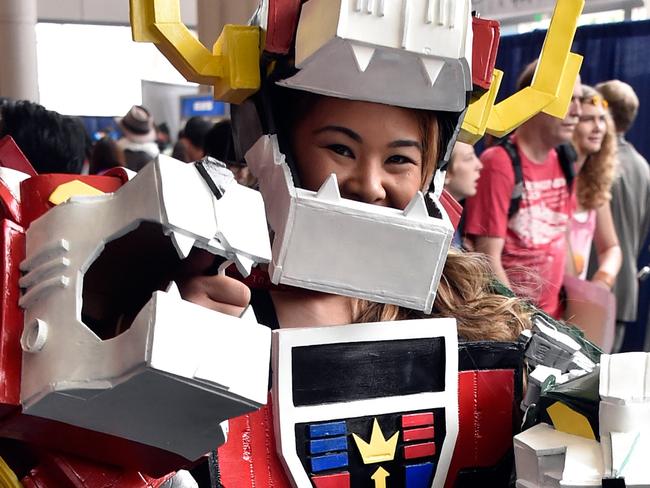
x,y
53,143
630,206
106,154
219,145
595,142
192,137
461,179
463,172
526,242
179,151
139,141
163,139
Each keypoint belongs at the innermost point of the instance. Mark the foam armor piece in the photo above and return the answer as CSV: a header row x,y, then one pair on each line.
x,y
415,53
549,457
180,369
320,239
291,412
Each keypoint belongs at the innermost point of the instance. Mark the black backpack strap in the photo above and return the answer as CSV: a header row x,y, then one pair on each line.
x,y
567,155
518,190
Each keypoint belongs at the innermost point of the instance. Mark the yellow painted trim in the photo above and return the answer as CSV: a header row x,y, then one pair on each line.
x,y
569,421
551,89
233,64
560,106
478,112
64,192
379,449
8,478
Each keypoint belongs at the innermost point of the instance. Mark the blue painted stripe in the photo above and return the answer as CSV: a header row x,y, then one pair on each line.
x,y
330,461
419,475
327,430
329,444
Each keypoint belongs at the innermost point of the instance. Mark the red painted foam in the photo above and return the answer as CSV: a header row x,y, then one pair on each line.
x,y
484,50
248,459
418,434
485,403
339,480
415,451
417,419
12,244
35,192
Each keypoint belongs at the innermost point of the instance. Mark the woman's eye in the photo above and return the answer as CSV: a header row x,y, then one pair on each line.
x,y
341,150
399,159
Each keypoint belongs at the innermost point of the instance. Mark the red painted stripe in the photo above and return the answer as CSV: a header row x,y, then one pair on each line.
x,y
419,450
338,480
418,434
417,419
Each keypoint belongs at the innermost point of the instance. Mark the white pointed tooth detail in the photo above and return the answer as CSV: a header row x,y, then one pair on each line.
x,y
432,68
182,243
329,191
244,264
417,208
173,290
362,55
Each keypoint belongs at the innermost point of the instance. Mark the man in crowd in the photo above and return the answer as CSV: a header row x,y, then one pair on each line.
x,y
139,141
526,244
630,202
53,143
193,137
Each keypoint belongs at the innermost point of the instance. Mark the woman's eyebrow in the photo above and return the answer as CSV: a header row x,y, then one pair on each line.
x,y
406,143
344,130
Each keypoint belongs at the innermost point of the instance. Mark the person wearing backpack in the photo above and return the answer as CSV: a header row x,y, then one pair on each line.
x,y
521,211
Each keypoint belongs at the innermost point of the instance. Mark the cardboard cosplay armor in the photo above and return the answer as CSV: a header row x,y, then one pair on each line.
x,y
333,386
360,50
73,376
610,449
113,353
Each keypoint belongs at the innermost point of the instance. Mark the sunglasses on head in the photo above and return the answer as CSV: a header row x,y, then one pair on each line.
x,y
595,100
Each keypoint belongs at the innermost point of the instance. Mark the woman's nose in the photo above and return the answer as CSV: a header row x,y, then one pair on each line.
x,y
365,182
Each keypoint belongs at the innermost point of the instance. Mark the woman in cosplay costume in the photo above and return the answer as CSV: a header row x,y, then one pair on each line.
x,y
368,388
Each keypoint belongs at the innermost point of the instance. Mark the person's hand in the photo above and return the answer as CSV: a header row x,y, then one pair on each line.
x,y
217,291
604,279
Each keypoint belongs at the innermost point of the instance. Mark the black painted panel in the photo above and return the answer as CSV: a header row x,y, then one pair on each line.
x,y
333,373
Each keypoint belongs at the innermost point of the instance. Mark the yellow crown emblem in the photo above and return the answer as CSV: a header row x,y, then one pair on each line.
x,y
379,449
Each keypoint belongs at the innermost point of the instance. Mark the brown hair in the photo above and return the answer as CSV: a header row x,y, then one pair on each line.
x,y
623,103
466,294
106,154
594,181
525,78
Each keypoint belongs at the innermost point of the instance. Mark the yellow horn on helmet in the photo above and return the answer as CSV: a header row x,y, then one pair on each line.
x,y
551,89
233,65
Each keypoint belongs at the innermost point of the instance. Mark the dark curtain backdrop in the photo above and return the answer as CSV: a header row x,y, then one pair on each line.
x,y
611,51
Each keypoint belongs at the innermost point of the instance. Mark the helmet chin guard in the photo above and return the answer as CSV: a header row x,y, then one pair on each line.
x,y
332,244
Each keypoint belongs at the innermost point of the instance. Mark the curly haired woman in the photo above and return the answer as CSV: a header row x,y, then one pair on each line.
x,y
595,143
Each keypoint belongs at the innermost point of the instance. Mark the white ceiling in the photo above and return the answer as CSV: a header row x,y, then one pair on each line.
x,y
100,11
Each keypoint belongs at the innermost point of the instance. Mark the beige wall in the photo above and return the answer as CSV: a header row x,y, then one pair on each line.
x,y
213,15
18,75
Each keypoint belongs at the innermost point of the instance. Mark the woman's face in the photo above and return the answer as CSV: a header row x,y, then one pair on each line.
x,y
591,129
462,178
375,150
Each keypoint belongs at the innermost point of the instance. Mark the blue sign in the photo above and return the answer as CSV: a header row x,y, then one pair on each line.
x,y
202,106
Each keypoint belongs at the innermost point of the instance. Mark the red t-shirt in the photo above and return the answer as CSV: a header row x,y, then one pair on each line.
x,y
535,237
